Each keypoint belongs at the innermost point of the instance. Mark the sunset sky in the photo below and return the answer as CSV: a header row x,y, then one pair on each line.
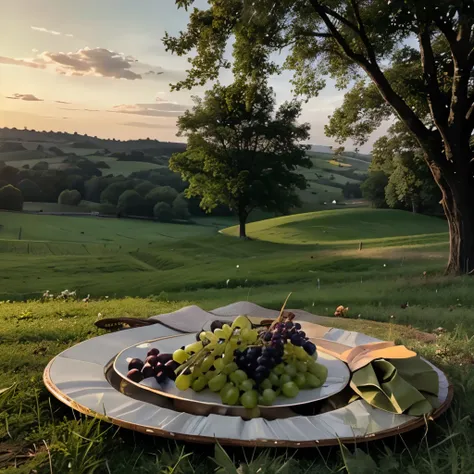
x,y
99,67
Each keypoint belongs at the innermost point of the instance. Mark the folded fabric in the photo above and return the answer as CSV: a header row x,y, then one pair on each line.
x,y
399,386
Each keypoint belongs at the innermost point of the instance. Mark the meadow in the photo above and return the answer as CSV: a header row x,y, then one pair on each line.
x,y
146,268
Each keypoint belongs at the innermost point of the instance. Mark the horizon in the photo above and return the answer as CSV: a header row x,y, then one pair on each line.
x,y
109,75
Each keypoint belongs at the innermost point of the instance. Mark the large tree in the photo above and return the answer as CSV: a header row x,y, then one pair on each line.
x,y
399,46
241,152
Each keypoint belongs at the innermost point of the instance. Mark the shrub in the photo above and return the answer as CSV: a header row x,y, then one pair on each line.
x,y
112,193
30,190
162,194
71,197
41,166
102,165
180,208
144,188
163,212
130,203
11,198
107,209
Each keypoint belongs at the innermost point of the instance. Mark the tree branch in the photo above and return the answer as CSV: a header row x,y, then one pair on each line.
x,y
436,100
405,113
362,32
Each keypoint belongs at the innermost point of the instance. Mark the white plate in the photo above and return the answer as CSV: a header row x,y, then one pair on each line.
x,y
338,375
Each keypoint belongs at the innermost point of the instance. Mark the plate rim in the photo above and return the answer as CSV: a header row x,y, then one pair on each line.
x,y
175,397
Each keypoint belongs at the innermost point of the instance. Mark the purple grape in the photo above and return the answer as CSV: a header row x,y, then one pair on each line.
x,y
288,325
148,371
135,375
163,358
302,334
161,376
136,364
267,337
153,352
152,360
309,347
296,340
297,326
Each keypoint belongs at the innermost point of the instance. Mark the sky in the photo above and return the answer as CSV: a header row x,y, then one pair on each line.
x,y
99,67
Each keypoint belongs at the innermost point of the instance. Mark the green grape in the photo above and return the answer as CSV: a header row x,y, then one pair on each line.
x,y
279,369
217,383
249,335
207,363
219,364
266,384
290,389
301,366
285,378
180,356
290,369
319,370
274,379
313,381
183,382
246,385
238,376
194,347
300,380
228,354
210,374
199,384
197,372
230,394
268,397
219,349
249,399
300,353
241,322
229,368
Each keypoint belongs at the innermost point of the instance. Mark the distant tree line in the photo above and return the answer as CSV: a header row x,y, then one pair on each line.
x,y
157,193
398,176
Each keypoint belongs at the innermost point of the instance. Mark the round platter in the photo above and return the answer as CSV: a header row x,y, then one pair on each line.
x,y
338,376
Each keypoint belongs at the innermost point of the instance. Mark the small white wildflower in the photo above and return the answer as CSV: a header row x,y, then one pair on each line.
x,y
106,297
359,315
60,319
227,282
384,264
99,315
392,316
237,266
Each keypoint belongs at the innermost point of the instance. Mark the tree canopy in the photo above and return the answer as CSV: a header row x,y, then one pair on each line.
x,y
409,59
11,198
241,151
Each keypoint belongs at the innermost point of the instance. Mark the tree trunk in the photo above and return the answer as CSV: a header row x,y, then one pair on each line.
x,y
242,222
458,205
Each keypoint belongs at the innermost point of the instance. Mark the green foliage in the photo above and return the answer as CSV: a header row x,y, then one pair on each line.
x,y
164,194
70,197
163,212
41,166
373,188
9,174
241,152
75,181
144,188
112,193
410,184
30,190
180,208
131,203
11,198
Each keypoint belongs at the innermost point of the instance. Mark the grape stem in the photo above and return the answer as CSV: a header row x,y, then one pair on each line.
x,y
280,316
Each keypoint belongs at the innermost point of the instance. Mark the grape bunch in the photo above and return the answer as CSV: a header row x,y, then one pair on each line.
x,y
160,366
283,332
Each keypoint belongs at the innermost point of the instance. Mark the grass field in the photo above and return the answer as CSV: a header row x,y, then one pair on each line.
x,y
314,255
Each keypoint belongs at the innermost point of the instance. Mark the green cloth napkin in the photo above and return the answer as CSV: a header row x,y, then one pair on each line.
x,y
407,386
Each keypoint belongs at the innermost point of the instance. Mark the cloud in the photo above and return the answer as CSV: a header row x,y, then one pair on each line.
x,y
50,32
99,62
22,62
148,125
161,109
81,110
27,97
62,102
93,62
